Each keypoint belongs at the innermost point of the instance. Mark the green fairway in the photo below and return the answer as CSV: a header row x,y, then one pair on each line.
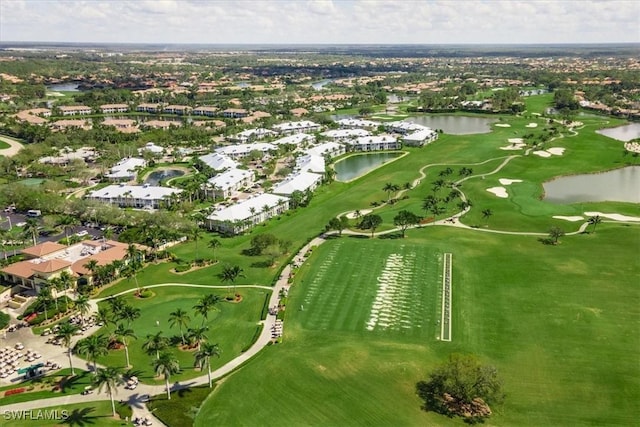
x,y
559,328
373,288
231,325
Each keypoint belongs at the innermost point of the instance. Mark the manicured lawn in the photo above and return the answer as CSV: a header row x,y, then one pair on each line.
x,y
181,410
79,414
43,387
231,326
559,322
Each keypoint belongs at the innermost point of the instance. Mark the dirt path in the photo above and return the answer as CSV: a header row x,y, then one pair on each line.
x,y
14,147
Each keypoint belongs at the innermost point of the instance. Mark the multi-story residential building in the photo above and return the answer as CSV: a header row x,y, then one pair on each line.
x,y
290,128
149,108
345,134
298,181
218,162
235,113
114,108
227,183
244,215
74,110
135,196
243,150
374,143
331,149
181,110
126,169
205,111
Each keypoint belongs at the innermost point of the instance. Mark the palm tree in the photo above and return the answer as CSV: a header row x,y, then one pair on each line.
x,y
93,347
197,335
213,244
66,331
180,318
117,304
166,364
83,306
54,285
155,343
43,300
92,266
389,188
129,313
203,357
122,333
110,378
66,280
67,222
30,229
230,274
133,256
196,232
594,220
202,308
486,213
104,316
437,210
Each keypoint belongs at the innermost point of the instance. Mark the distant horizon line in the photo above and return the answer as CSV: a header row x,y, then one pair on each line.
x,y
53,43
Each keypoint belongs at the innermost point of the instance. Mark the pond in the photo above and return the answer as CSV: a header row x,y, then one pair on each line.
x,y
622,133
163,175
321,84
619,185
455,125
63,87
360,164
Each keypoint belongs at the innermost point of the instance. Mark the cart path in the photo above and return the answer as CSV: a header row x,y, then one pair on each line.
x,y
14,147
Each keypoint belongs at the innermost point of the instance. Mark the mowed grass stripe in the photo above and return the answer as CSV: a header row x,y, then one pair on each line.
x,y
339,285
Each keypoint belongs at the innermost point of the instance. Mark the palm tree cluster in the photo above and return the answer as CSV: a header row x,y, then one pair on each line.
x,y
436,202
102,274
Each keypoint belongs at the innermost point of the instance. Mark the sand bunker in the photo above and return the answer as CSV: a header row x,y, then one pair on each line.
x,y
499,191
634,147
532,125
516,140
614,216
556,151
503,125
353,215
568,218
514,147
505,181
542,153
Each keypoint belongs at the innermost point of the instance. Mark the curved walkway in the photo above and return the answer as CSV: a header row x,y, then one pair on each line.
x,y
137,397
14,147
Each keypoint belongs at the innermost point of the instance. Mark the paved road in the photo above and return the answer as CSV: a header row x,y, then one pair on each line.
x,y
12,150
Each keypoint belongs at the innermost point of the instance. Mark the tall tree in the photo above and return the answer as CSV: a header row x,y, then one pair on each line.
x,y
230,274
555,233
67,222
155,343
197,335
134,262
486,214
594,221
166,365
196,232
405,219
122,333
83,306
214,244
92,348
30,229
109,378
181,318
129,313
66,331
389,188
371,222
204,355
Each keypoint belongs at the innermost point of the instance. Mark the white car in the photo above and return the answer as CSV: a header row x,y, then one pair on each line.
x,y
82,233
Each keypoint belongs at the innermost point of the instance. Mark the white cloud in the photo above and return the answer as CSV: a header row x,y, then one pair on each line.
x,y
321,21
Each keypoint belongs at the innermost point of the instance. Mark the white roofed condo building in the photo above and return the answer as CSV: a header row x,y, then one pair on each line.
x,y
149,108
331,149
252,135
126,169
357,123
290,128
374,143
413,133
244,215
228,182
151,147
311,163
295,139
136,196
74,110
114,108
299,181
243,150
205,111
177,109
345,134
218,162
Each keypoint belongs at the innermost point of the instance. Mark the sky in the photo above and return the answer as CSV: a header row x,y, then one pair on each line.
x,y
321,21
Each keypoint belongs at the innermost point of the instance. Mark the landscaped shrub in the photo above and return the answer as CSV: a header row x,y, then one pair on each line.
x,y
265,306
124,411
14,391
180,268
145,293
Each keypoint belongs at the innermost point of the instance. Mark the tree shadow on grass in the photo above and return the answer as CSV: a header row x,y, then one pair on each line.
x,y
66,384
391,236
358,236
262,264
81,417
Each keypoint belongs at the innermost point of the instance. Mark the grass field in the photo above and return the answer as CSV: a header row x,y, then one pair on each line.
x,y
81,414
231,326
542,314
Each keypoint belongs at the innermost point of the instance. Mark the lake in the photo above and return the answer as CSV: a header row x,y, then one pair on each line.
x,y
63,87
622,133
321,84
455,125
359,164
156,177
619,185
